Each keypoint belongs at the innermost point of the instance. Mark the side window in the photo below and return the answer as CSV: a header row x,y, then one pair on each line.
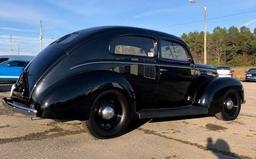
x,y
12,63
18,63
173,51
23,64
134,45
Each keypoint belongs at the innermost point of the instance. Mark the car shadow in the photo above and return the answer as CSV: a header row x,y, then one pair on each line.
x,y
179,118
134,124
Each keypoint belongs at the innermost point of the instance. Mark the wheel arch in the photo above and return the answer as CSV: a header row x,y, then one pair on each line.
x,y
121,85
216,88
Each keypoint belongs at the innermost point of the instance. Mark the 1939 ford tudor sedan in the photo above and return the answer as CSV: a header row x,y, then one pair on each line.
x,y
112,75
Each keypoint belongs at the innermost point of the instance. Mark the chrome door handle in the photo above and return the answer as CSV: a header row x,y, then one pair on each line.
x,y
163,69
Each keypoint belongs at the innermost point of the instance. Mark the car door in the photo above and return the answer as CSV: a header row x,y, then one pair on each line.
x,y
175,75
138,53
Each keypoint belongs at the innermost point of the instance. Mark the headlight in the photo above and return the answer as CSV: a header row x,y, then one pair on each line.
x,y
249,75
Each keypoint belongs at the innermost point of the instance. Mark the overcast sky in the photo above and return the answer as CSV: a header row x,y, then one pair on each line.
x,y
20,18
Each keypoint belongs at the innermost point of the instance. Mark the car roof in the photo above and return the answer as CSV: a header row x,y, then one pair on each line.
x,y
136,30
252,69
75,39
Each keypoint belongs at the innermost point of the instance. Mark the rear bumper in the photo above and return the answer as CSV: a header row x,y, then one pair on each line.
x,y
19,107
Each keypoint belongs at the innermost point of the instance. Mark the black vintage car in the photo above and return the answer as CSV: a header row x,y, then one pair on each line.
x,y
112,75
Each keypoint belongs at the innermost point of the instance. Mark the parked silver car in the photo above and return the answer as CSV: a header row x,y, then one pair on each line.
x,y
224,71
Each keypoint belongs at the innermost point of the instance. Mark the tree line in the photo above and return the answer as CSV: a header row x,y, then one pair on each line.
x,y
225,46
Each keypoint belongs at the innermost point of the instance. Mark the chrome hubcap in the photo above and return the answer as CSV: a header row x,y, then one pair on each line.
x,y
229,104
107,113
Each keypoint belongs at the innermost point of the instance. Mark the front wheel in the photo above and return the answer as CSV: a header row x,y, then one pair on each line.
x,y
109,116
229,105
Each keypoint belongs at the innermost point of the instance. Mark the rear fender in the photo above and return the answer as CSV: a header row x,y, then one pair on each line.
x,y
77,92
217,87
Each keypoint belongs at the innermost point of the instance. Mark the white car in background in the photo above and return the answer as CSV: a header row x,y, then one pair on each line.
x,y
224,71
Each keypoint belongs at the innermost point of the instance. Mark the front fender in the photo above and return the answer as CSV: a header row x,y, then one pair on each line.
x,y
217,87
77,92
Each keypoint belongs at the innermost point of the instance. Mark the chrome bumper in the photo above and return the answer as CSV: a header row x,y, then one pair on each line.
x,y
19,107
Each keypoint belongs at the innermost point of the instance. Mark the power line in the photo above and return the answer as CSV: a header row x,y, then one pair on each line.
x,y
20,39
232,15
211,19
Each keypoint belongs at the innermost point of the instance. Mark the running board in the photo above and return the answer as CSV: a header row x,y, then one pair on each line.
x,y
172,112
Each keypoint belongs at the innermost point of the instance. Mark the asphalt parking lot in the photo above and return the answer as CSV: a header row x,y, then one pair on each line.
x,y
206,137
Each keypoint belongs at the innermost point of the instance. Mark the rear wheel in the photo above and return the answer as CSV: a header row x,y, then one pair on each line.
x,y
109,116
229,105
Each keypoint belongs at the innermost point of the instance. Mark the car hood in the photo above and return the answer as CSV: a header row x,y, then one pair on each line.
x,y
206,69
204,66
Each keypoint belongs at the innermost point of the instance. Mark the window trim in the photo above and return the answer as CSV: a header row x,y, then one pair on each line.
x,y
190,59
134,56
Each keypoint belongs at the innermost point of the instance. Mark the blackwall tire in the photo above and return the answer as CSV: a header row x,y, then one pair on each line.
x,y
110,125
226,110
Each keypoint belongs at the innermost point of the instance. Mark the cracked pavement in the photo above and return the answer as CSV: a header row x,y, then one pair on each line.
x,y
204,137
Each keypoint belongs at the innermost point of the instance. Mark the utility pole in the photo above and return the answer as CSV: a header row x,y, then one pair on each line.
x,y
205,28
41,35
205,34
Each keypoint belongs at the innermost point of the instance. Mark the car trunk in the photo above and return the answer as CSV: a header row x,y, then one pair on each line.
x,y
34,71
44,61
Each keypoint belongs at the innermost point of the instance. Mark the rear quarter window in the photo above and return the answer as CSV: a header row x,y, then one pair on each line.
x,y
67,38
134,45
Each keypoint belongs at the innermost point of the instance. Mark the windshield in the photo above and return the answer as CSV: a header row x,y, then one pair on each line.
x,y
252,71
3,59
223,68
